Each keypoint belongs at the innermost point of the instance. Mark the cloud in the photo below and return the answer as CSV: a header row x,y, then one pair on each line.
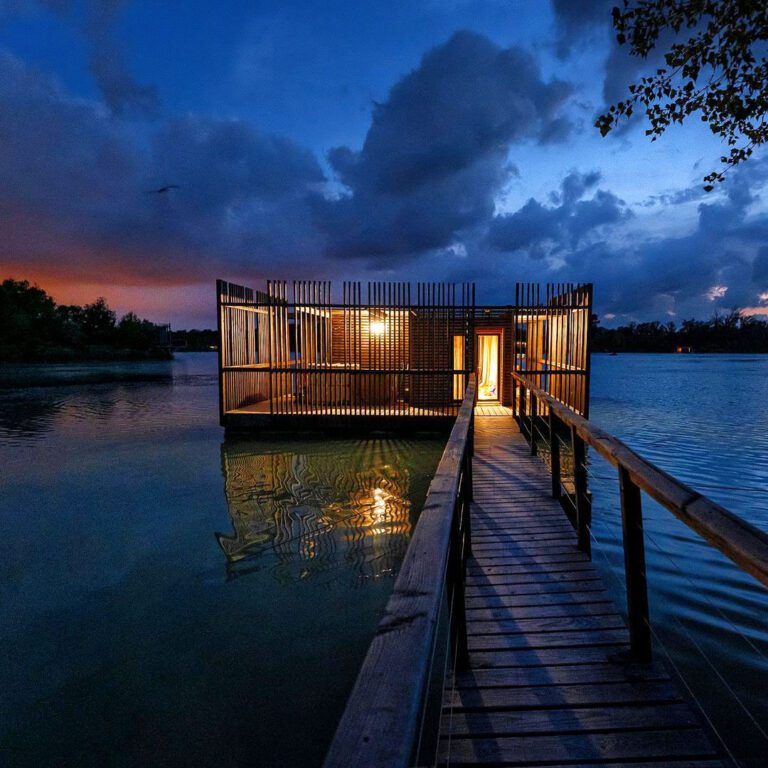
x,y
420,195
716,265
97,21
73,182
577,21
545,230
760,270
435,156
120,90
590,21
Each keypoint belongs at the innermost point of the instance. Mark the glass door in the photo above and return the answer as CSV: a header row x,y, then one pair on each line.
x,y
488,366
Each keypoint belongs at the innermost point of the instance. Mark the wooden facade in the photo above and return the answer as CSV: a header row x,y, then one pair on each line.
x,y
301,356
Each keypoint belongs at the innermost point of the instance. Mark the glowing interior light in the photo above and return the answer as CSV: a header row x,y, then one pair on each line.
x,y
378,327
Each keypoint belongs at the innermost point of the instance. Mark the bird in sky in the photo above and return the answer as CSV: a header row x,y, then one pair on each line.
x,y
162,190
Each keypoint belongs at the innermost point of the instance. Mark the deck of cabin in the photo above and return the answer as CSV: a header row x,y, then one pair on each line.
x,y
258,415
549,679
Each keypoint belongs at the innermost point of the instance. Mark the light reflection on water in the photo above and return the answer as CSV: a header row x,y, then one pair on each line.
x,y
704,419
168,599
318,503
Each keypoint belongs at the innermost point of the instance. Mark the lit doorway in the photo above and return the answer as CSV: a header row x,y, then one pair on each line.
x,y
488,366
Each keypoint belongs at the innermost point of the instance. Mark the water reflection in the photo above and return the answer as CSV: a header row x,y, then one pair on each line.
x,y
36,400
312,505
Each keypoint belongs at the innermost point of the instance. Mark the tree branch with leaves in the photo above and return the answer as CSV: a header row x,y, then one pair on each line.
x,y
720,72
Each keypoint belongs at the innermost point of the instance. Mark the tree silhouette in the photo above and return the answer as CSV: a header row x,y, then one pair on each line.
x,y
720,71
34,328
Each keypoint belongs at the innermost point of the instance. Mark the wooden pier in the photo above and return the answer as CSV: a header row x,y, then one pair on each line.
x,y
500,644
549,680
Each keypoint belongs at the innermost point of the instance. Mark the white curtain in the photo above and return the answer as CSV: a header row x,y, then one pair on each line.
x,y
488,388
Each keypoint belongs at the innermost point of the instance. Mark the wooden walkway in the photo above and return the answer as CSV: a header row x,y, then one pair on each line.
x,y
547,683
492,409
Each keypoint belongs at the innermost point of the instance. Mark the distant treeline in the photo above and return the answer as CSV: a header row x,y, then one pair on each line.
x,y
33,328
733,332
194,340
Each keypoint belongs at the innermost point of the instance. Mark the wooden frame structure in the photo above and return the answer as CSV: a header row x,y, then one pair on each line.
x,y
299,357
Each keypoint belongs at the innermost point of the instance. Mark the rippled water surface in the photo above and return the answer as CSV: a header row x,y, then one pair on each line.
x,y
703,418
168,598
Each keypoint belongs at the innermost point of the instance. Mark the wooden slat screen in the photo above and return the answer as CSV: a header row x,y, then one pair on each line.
x,y
378,352
551,340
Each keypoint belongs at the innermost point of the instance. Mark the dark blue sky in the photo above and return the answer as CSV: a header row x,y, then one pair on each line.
x,y
430,139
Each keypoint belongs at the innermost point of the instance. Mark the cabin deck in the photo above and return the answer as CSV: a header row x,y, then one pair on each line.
x,y
411,418
548,683
482,409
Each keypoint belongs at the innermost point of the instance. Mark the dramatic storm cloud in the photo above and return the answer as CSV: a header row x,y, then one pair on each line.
x,y
544,230
716,265
76,194
436,154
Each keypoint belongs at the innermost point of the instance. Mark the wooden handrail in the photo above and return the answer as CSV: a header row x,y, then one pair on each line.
x,y
382,723
737,539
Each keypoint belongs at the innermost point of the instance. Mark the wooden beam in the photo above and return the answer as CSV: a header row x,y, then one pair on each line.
x,y
737,539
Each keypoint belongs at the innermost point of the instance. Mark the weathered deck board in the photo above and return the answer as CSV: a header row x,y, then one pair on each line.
x,y
549,682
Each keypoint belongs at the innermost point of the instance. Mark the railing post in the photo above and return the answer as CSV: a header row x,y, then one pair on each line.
x,y
515,406
522,409
457,567
533,423
470,453
634,567
554,453
583,502
466,500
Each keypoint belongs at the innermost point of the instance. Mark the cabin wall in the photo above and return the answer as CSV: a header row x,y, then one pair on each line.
x,y
353,344
243,347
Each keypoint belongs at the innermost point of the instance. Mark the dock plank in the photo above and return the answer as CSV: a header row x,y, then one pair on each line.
x,y
549,679
662,746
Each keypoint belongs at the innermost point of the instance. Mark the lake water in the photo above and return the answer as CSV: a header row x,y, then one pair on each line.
x,y
704,419
169,598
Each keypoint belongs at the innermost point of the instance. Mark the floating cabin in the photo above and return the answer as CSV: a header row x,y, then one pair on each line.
x,y
394,357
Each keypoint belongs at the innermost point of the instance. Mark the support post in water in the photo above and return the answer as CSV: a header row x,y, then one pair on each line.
x,y
583,502
554,453
634,567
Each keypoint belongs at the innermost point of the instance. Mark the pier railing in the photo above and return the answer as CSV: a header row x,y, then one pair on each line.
x,y
393,713
542,416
